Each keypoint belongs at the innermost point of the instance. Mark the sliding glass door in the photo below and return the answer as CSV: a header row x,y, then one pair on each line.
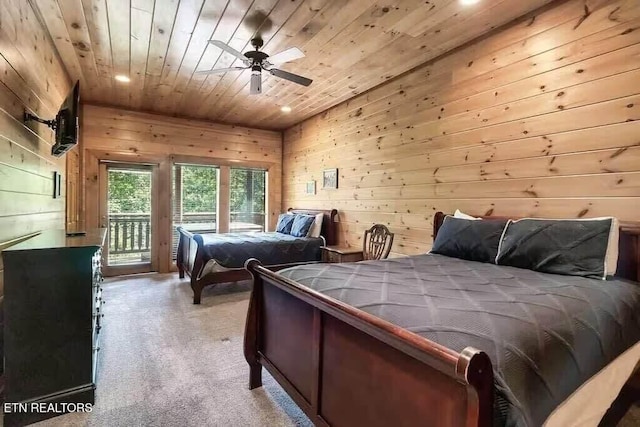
x,y
128,215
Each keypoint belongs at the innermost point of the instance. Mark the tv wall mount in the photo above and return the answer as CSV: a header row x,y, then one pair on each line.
x,y
51,123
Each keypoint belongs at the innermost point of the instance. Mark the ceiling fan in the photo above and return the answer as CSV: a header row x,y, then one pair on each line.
x,y
256,60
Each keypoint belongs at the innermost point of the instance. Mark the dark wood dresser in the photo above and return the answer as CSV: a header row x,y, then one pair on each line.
x,y
52,320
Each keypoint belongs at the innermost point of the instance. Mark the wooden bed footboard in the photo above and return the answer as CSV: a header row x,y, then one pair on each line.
x,y
345,367
184,255
190,260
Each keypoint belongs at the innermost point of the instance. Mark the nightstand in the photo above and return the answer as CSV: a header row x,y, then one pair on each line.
x,y
341,254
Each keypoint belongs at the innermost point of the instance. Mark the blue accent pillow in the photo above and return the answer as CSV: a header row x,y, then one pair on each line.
x,y
285,222
301,225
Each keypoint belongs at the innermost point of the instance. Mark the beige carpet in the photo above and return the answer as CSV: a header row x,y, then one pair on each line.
x,y
167,362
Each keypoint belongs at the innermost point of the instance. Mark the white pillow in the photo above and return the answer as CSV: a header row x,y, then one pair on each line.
x,y
611,260
463,215
316,227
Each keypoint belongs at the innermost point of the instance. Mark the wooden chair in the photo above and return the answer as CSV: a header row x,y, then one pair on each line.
x,y
377,242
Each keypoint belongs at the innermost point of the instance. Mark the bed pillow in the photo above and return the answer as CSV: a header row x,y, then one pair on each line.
x,y
469,239
301,225
459,214
580,247
285,222
316,227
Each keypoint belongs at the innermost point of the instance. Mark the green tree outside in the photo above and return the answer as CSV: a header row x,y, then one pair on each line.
x,y
130,190
199,189
247,190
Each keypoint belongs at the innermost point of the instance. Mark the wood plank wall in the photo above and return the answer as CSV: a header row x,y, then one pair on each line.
x,y
32,78
121,135
539,118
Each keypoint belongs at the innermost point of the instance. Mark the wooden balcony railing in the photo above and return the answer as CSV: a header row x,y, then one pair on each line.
x,y
205,222
246,221
130,234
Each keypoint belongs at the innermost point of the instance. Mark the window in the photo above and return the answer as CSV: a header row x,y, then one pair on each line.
x,y
195,199
196,195
247,200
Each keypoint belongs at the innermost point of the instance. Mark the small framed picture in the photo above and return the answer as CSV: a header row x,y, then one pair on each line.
x,y
311,187
330,178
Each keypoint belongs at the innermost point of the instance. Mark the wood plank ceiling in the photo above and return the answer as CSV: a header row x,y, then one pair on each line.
x,y
350,46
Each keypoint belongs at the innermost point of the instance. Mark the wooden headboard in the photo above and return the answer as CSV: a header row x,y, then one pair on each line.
x,y
628,248
329,230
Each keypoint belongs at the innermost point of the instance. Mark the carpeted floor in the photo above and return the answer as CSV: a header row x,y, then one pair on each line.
x,y
167,362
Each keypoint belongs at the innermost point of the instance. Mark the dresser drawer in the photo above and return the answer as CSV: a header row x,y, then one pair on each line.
x,y
96,267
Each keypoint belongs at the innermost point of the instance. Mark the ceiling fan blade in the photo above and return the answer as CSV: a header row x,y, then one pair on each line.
x,y
222,45
256,83
221,70
290,54
291,77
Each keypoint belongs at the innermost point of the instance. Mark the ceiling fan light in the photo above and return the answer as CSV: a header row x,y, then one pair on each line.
x,y
256,83
122,78
285,109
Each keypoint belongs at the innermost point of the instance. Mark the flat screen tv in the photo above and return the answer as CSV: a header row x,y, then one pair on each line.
x,y
65,124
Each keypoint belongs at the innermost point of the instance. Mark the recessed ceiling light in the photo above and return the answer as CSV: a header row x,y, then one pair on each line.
x,y
468,2
285,109
122,78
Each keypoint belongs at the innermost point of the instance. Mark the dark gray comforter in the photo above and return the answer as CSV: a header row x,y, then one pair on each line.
x,y
546,334
231,250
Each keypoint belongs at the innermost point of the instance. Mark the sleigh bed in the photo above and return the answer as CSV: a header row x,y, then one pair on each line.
x,y
212,258
348,366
